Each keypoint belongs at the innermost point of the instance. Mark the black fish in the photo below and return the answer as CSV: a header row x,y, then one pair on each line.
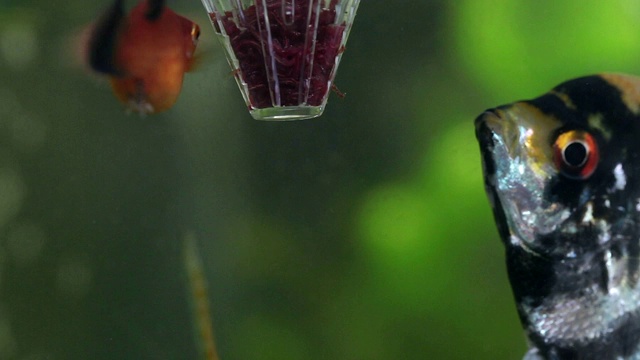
x,y
562,173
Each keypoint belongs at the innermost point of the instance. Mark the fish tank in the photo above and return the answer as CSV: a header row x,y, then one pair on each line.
x,y
363,234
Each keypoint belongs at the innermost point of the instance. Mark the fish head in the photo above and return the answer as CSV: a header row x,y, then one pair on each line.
x,y
518,167
561,170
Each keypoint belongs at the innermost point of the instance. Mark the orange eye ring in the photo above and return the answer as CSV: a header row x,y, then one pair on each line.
x,y
575,154
195,32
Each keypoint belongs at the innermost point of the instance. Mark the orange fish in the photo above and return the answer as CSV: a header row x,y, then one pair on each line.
x,y
145,54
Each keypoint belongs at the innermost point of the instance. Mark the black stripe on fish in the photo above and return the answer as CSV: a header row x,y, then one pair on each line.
x,y
155,9
531,277
633,266
593,94
562,271
103,41
588,96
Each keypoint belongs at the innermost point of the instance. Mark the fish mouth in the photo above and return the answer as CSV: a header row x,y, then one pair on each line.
x,y
489,126
510,193
495,124
515,178
484,132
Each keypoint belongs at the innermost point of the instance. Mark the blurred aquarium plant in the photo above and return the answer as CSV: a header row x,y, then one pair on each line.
x,y
364,234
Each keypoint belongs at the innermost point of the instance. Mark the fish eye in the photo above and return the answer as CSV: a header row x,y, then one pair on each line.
x,y
195,32
576,154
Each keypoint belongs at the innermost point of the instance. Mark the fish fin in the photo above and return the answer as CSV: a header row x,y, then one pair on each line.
x,y
155,8
103,41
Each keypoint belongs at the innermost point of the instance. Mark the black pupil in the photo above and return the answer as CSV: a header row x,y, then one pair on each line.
x,y
575,154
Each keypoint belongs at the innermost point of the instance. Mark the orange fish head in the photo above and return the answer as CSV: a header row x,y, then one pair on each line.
x,y
145,54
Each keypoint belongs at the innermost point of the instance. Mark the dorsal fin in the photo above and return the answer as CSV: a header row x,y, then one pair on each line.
x,y
155,9
103,42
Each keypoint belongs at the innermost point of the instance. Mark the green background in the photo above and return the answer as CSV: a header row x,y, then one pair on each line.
x,y
364,234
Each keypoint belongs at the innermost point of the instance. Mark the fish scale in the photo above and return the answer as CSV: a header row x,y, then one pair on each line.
x,y
562,175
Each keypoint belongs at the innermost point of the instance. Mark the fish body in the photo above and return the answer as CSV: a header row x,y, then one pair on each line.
x,y
562,173
145,53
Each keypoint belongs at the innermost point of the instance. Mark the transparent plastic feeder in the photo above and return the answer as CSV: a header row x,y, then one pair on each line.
x,y
284,53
